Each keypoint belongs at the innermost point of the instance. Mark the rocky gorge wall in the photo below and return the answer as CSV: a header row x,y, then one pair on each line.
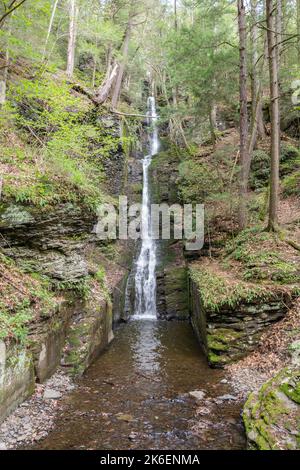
x,y
57,247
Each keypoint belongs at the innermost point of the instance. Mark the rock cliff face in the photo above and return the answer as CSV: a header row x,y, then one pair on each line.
x,y
57,244
16,378
172,275
272,415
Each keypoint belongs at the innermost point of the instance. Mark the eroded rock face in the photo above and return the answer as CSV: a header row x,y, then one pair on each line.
x,y
230,333
16,377
272,415
89,332
48,242
172,292
56,243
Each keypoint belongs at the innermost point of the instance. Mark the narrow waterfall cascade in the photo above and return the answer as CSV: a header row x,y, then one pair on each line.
x,y
145,280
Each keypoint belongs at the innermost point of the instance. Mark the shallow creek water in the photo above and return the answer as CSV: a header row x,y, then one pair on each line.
x,y
135,396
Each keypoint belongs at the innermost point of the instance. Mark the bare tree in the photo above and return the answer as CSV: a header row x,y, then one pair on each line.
x,y
271,12
103,92
4,68
73,14
244,154
50,27
257,124
121,70
298,29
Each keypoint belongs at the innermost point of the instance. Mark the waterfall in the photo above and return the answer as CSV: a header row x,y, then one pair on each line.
x,y
145,280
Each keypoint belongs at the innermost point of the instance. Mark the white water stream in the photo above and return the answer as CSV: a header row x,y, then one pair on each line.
x,y
145,280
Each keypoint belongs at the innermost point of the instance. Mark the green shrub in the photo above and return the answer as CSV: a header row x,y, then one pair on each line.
x,y
291,184
289,159
198,181
260,169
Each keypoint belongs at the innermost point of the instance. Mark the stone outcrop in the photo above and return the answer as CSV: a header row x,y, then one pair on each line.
x,y
172,292
16,377
272,415
88,333
231,331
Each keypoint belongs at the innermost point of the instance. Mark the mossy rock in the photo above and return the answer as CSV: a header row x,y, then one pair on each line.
x,y
224,345
222,339
272,415
14,216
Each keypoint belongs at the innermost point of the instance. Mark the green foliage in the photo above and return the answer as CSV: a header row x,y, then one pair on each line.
x,y
291,184
63,162
197,181
100,276
260,258
44,105
289,159
14,325
81,286
260,169
217,291
22,301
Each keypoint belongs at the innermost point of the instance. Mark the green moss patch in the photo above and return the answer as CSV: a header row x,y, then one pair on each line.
x,y
271,415
22,299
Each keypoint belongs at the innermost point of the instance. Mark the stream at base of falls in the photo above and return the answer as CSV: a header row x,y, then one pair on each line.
x,y
136,396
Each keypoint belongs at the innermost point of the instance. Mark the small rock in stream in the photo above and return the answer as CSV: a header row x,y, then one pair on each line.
x,y
227,397
198,394
2,446
125,417
51,394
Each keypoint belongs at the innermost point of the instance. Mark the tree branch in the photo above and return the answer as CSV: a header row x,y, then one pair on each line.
x,y
12,8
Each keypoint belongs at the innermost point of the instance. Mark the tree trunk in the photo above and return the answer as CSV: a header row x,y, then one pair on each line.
x,y
271,12
117,89
298,29
278,30
213,124
73,12
244,155
108,62
4,70
256,108
175,16
257,117
104,90
50,27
